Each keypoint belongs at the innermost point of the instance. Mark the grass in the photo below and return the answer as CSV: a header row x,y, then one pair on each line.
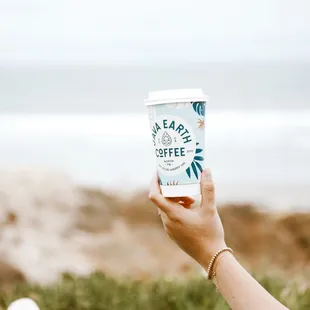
x,y
99,292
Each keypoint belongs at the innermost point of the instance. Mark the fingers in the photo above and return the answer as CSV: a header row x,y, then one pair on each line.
x,y
183,200
163,216
186,206
165,205
207,190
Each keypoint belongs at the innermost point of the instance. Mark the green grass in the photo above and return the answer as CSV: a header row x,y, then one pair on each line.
x,y
99,292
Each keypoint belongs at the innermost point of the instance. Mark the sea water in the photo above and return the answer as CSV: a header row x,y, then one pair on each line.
x,y
256,156
90,123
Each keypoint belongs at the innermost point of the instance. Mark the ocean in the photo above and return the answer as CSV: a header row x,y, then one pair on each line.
x,y
90,124
122,89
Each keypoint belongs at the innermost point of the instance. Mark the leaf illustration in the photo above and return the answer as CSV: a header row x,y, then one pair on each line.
x,y
195,170
199,107
203,109
198,166
188,171
170,183
195,164
199,158
201,123
195,104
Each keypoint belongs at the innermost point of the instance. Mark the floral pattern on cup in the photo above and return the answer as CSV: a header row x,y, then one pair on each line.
x,y
199,107
172,183
196,164
201,123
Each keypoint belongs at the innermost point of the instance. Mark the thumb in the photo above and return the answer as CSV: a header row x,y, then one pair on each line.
x,y
207,190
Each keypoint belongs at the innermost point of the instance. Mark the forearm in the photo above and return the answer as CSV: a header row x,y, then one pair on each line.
x,y
240,289
199,232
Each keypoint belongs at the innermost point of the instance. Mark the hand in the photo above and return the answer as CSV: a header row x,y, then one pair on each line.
x,y
199,231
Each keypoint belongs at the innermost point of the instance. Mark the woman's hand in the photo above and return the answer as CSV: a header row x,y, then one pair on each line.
x,y
199,231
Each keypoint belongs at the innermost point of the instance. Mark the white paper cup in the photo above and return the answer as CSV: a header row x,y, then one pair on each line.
x,y
177,121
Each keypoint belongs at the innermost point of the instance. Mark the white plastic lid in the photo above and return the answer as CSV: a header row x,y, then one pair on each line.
x,y
175,95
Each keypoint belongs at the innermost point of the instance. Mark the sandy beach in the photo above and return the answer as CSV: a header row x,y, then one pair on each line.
x,y
47,222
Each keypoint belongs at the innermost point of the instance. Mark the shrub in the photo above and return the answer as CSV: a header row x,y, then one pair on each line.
x,y
99,292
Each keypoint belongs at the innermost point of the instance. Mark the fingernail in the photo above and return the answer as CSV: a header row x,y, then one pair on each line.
x,y
207,174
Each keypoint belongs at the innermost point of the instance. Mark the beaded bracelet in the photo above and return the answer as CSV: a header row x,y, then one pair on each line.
x,y
211,264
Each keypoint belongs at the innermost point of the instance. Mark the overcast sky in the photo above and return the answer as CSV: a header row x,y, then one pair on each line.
x,y
99,31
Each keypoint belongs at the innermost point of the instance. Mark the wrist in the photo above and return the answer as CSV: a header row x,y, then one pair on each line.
x,y
221,259
211,268
208,253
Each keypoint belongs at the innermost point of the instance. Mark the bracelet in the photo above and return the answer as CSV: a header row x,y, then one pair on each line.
x,y
210,272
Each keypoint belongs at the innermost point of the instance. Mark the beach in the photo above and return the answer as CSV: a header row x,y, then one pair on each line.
x,y
77,228
76,185
74,182
47,221
260,156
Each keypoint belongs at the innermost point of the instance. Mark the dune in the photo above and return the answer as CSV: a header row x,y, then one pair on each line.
x,y
49,225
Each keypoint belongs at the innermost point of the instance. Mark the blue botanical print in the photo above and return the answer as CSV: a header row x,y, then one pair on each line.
x,y
195,165
199,107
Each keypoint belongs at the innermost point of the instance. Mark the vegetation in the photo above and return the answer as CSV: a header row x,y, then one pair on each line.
x,y
99,292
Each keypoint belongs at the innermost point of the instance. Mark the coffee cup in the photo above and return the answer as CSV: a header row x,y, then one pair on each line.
x,y
177,122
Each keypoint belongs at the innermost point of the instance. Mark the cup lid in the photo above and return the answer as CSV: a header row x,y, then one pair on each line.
x,y
175,95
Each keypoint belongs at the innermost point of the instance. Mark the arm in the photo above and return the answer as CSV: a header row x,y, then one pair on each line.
x,y
239,288
199,232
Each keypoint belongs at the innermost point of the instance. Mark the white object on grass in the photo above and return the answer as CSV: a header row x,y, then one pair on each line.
x,y
23,304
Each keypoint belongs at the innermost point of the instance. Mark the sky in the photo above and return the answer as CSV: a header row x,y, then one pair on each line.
x,y
99,31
